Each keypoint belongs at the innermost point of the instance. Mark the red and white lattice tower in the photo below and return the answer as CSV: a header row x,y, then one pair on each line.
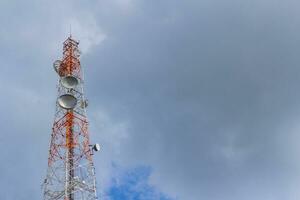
x,y
71,173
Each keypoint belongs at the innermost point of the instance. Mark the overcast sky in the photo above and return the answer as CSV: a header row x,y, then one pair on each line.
x,y
190,100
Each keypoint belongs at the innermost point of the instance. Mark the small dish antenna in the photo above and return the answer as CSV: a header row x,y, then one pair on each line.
x,y
67,101
84,104
96,147
69,82
77,53
56,65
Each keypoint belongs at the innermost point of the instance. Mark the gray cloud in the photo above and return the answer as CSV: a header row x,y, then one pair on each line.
x,y
206,93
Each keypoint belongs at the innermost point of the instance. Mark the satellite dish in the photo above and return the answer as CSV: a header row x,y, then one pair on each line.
x,y
56,65
67,101
96,147
69,82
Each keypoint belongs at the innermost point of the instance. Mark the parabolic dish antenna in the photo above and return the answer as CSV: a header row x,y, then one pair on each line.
x,y
69,82
67,101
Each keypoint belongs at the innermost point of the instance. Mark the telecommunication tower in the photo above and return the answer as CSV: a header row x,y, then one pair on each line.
x,y
71,172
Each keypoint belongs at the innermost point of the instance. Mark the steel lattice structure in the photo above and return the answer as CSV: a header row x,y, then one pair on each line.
x,y
70,173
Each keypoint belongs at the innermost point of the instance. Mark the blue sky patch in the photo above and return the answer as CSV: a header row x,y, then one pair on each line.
x,y
133,184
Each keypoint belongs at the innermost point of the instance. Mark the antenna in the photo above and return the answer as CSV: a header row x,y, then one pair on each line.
x,y
70,30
